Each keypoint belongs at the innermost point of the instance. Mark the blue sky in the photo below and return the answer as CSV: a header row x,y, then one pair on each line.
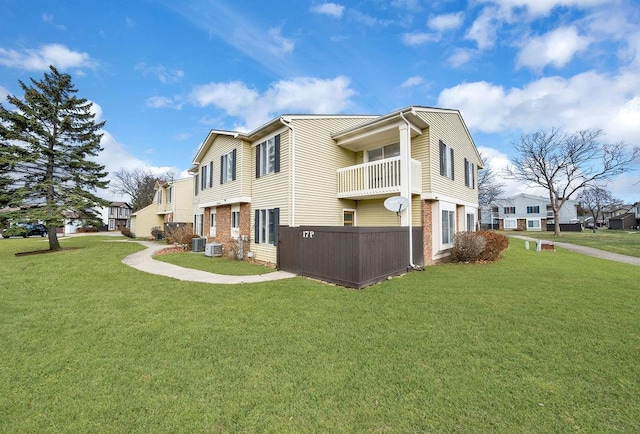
x,y
163,73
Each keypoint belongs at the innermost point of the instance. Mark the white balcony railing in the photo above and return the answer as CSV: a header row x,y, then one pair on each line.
x,y
377,178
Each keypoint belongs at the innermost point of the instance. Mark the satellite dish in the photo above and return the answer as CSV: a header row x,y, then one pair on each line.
x,y
396,203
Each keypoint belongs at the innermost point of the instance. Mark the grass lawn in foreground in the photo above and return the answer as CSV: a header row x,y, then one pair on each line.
x,y
218,265
616,241
538,342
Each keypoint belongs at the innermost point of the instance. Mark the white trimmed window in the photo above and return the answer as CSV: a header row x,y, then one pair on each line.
x,y
533,209
268,157
448,226
228,167
469,174
169,194
198,222
446,161
212,223
235,222
383,152
266,226
471,222
533,224
510,224
159,196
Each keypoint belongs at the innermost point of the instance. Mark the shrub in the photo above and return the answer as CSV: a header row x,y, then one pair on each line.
x,y
182,234
478,246
468,247
87,229
495,243
157,233
127,232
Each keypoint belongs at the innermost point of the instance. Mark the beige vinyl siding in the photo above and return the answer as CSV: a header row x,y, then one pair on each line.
x,y
271,191
144,220
182,201
449,128
373,213
317,159
421,151
241,186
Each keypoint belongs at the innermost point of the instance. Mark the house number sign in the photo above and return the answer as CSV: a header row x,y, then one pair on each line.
x,y
308,234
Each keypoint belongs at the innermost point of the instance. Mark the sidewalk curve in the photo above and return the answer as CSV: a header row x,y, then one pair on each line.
x,y
589,251
143,261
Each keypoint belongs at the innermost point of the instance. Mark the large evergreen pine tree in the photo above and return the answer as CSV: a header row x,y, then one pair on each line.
x,y
47,143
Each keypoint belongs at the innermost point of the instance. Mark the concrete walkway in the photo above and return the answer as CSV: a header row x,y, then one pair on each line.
x,y
589,251
144,261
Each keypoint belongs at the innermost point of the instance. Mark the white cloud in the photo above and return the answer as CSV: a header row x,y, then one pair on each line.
x,y
443,23
419,38
484,29
414,81
459,57
165,75
556,48
4,93
298,95
280,45
164,102
586,100
332,9
39,59
543,7
48,18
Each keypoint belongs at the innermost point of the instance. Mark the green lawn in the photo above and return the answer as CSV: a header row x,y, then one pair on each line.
x,y
538,342
218,265
617,241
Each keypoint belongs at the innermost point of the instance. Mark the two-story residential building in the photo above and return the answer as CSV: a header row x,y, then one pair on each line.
x,y
118,216
173,202
526,212
337,171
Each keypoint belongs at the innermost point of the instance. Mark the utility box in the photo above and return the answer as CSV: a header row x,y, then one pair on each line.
x,y
197,244
213,249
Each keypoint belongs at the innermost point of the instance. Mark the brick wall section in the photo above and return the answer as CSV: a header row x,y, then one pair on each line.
x,y
427,230
223,226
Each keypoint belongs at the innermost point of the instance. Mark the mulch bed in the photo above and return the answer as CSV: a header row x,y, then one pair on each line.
x,y
170,250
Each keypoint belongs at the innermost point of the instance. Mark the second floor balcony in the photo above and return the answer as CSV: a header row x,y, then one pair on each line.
x,y
376,179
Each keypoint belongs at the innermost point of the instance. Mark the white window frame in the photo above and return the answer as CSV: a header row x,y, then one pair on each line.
x,y
160,197
446,161
235,222
198,222
510,224
227,167
469,174
531,209
212,222
266,226
471,227
352,210
267,156
169,194
387,151
447,227
534,228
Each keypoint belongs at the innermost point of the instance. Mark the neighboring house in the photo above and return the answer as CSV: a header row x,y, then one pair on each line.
x,y
336,171
526,212
173,202
625,217
118,216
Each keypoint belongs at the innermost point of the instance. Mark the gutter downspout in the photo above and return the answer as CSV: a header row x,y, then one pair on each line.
x,y
292,215
409,208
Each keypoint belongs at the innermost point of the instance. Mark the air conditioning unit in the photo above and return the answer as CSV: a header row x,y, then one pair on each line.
x,y
213,249
197,244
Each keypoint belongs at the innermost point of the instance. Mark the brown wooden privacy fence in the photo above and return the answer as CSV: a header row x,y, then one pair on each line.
x,y
349,256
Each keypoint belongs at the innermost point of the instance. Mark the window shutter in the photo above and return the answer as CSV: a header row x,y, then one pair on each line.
x,y
276,223
256,227
258,161
277,153
473,175
233,165
466,172
203,177
211,174
443,159
221,169
453,175
195,184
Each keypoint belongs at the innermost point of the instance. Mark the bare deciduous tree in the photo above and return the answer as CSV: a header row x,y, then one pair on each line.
x,y
138,184
595,199
489,189
564,164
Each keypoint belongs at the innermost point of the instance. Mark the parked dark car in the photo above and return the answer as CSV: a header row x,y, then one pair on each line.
x,y
25,230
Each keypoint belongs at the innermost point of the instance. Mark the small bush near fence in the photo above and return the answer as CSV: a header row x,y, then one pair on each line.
x,y
182,234
127,233
484,246
87,229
